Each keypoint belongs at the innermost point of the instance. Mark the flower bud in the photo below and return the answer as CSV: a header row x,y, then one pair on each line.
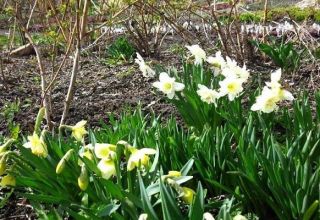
x,y
3,165
188,195
60,166
37,126
62,162
3,148
8,180
83,180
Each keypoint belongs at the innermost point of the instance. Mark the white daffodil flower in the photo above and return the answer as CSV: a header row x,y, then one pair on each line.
x,y
217,61
103,151
198,53
239,217
167,85
139,157
207,95
266,102
144,68
233,70
275,78
107,168
276,87
208,216
231,86
143,216
79,130
37,145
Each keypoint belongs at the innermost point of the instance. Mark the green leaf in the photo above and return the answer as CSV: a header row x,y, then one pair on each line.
x,y
147,207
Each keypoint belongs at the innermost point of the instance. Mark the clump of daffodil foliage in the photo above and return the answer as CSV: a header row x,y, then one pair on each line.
x,y
243,154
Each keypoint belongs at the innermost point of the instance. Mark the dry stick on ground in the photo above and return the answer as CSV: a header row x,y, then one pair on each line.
x,y
75,68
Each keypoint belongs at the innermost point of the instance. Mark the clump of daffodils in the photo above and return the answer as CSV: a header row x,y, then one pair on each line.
x,y
144,68
271,95
168,85
232,84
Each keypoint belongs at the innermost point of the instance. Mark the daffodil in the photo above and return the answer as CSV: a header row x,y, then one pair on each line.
x,y
271,94
207,95
168,85
276,87
198,53
103,150
217,62
79,130
231,69
107,168
207,216
174,173
266,102
231,86
62,163
37,145
239,217
187,195
8,180
143,216
144,68
139,157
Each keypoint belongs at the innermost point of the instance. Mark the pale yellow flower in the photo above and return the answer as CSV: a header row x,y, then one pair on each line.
x,y
231,86
8,180
207,95
107,168
144,68
217,61
79,130
271,94
187,195
239,217
208,216
174,173
139,157
143,216
167,85
198,53
37,145
104,150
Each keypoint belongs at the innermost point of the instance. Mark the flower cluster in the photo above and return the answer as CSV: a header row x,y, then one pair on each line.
x,y
230,86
